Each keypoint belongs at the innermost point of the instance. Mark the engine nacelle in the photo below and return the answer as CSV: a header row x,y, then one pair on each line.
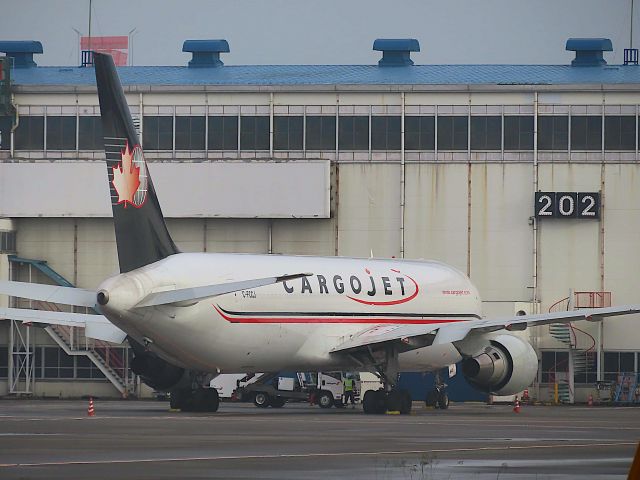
x,y
507,366
156,372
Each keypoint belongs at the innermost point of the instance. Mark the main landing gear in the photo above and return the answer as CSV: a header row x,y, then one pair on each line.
x,y
389,398
193,396
195,400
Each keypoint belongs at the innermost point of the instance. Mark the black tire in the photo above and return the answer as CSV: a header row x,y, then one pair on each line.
x,y
394,401
212,400
325,399
261,399
200,400
406,402
432,399
368,403
443,401
374,402
178,398
277,402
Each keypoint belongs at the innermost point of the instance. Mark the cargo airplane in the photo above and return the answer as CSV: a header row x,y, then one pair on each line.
x,y
192,316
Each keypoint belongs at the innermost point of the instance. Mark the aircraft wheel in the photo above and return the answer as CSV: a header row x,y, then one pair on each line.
x,y
261,399
325,399
374,402
405,402
178,398
212,400
432,399
443,401
277,402
367,402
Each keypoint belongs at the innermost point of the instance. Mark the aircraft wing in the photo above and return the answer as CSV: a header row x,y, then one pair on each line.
x,y
409,337
96,326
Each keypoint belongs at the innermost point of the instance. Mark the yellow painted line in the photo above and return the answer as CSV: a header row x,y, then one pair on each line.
x,y
501,448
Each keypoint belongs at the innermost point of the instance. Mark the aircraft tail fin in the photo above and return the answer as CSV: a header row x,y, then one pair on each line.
x,y
141,233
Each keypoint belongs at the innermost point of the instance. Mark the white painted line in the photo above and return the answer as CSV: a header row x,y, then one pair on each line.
x,y
312,455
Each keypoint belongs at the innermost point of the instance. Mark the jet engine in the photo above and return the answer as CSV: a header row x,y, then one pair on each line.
x,y
507,366
153,370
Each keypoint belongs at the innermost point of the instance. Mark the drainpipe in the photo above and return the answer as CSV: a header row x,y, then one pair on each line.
x,y
534,224
402,175
534,220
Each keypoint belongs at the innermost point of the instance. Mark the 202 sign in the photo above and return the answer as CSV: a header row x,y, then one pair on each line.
x,y
567,205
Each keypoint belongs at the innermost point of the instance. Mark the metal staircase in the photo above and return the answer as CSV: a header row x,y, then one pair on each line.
x,y
105,356
580,360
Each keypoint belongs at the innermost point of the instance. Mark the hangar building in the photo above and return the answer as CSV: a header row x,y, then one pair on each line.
x,y
523,176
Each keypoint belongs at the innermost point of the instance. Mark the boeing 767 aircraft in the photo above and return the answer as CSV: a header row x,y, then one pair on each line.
x,y
192,316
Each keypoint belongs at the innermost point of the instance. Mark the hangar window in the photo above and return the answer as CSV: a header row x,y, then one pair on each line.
x,y
190,133
518,132
353,133
223,133
616,363
7,242
321,133
586,132
553,132
385,133
452,133
4,362
85,368
61,133
620,132
287,133
29,135
57,364
90,133
486,133
5,132
254,133
552,364
419,133
157,133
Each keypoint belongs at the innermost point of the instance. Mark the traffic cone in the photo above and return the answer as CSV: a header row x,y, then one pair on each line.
x,y
516,406
90,411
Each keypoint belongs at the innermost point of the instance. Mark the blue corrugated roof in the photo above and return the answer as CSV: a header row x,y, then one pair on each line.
x,y
292,75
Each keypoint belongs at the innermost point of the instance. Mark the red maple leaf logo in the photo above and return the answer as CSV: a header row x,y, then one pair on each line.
x,y
126,177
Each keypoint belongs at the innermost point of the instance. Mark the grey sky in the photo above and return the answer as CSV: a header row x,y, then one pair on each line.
x,y
327,31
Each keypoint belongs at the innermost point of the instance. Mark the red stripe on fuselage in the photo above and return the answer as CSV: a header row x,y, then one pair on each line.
x,y
328,319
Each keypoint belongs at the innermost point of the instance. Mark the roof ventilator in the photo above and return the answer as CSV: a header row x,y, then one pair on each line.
x,y
589,51
396,52
21,51
206,53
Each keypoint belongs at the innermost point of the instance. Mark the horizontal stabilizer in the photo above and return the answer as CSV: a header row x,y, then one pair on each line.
x,y
49,293
97,326
198,293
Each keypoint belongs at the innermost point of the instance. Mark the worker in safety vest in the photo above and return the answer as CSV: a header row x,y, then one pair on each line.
x,y
349,385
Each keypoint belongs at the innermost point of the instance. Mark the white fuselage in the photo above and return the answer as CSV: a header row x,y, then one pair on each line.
x,y
292,325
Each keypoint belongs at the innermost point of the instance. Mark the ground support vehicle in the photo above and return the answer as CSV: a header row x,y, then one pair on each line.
x,y
326,389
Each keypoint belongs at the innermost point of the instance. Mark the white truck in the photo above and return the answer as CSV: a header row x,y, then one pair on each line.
x,y
325,389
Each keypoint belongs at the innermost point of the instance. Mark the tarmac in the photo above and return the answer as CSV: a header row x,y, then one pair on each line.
x,y
48,439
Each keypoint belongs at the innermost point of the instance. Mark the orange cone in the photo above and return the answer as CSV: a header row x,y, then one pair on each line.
x,y
90,411
516,406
